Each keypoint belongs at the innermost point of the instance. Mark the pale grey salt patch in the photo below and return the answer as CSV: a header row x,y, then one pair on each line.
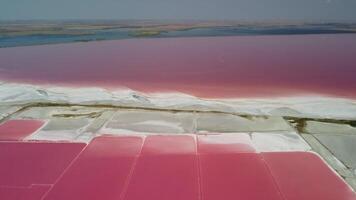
x,y
151,122
329,128
61,129
342,146
284,111
93,129
56,135
36,113
66,124
332,160
213,122
279,142
352,182
6,111
83,95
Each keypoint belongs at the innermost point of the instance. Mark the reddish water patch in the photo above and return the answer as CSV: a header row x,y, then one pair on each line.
x,y
163,167
166,169
13,130
208,67
26,163
101,171
303,175
35,192
230,169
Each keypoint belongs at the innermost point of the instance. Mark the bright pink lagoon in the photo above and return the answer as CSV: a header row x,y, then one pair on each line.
x,y
207,67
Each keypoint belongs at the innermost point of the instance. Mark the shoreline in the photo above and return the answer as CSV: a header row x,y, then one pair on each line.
x,y
301,106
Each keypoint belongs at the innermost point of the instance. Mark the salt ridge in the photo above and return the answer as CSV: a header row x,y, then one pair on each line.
x,y
12,94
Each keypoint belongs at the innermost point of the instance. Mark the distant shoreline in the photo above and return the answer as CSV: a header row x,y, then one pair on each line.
x,y
27,33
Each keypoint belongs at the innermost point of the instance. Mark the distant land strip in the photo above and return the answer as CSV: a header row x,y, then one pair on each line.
x,y
26,33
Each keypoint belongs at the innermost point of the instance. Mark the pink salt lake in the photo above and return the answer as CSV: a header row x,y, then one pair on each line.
x,y
217,67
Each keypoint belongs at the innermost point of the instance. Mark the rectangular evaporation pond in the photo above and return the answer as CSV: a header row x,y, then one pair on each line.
x,y
230,169
34,192
166,169
14,130
26,163
303,175
100,172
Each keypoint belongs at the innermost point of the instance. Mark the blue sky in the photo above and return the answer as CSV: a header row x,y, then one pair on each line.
x,y
180,9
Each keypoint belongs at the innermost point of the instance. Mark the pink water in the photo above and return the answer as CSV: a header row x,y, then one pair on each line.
x,y
240,66
174,167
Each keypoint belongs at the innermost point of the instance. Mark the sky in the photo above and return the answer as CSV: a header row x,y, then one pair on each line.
x,y
325,10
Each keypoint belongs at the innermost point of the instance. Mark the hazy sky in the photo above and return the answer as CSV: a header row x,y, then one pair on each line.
x,y
179,9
